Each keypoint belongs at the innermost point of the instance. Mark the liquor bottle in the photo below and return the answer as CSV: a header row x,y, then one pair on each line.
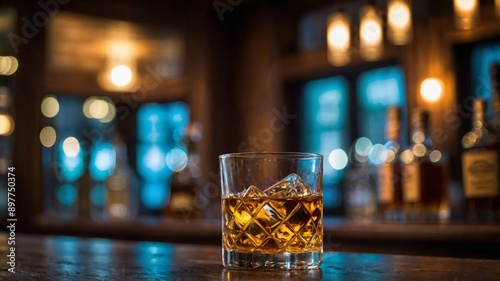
x,y
481,167
389,191
359,189
121,190
424,174
186,180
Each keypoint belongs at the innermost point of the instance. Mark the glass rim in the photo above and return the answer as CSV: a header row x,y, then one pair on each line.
x,y
277,155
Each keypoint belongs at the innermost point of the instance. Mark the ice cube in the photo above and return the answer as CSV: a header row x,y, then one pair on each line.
x,y
291,186
252,191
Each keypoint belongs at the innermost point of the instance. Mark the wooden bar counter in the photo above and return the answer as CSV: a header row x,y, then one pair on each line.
x,y
69,258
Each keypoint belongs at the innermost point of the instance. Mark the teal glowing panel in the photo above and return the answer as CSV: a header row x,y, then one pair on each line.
x,y
160,129
379,89
102,161
482,58
326,108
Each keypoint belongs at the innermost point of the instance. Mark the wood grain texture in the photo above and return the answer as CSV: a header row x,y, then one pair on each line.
x,y
69,258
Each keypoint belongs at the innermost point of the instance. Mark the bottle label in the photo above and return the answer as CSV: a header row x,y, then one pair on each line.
x,y
480,172
386,183
411,182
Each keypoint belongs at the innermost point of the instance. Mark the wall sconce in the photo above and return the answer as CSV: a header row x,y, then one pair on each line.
x,y
399,19
120,72
466,13
431,89
339,39
370,37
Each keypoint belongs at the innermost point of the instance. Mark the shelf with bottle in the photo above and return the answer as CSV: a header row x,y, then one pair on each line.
x,y
424,174
481,159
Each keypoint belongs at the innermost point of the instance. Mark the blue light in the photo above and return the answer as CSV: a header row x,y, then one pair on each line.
x,y
151,125
102,161
154,195
482,57
381,87
151,162
377,90
71,166
325,120
67,194
177,158
98,195
177,118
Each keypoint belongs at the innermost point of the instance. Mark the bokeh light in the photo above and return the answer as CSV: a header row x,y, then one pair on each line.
x,y
102,161
431,89
121,75
363,146
177,159
378,154
6,125
435,156
50,106
101,108
71,147
98,109
338,159
48,136
8,65
407,156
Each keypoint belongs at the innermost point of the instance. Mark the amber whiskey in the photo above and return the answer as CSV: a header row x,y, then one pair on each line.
x,y
424,174
389,192
273,225
481,167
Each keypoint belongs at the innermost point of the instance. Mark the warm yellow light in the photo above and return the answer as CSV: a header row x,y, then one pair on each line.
x,y
86,106
14,64
71,147
6,125
497,8
121,75
370,37
419,150
339,39
431,89
399,28
407,156
98,109
466,13
5,64
48,136
111,112
50,106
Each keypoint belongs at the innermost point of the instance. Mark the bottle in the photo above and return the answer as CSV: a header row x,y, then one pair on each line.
x,y
424,174
481,167
121,190
186,180
389,191
359,189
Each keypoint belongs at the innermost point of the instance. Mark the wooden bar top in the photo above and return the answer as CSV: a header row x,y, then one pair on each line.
x,y
69,258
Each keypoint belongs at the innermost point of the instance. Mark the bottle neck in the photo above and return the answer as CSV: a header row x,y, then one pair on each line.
x,y
421,134
479,119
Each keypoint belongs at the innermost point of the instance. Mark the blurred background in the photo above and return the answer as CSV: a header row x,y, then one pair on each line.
x,y
114,114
